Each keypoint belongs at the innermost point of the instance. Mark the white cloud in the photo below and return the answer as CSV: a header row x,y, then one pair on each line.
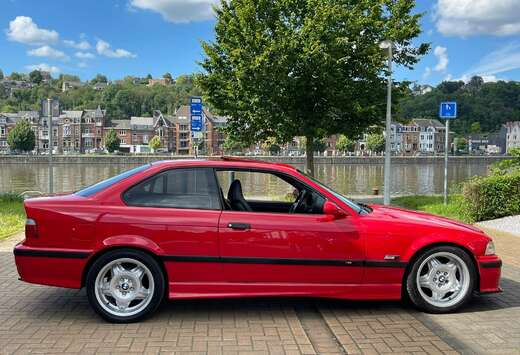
x,y
502,60
22,29
103,48
84,55
83,45
178,11
477,17
427,72
44,67
442,58
82,65
448,77
49,52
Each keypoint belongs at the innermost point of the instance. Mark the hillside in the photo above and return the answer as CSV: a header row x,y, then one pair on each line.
x,y
123,98
482,107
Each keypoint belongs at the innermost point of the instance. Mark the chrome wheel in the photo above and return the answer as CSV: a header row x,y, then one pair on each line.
x,y
124,287
443,279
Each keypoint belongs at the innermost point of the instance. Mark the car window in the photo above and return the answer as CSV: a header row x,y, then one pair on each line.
x,y
91,190
176,188
258,186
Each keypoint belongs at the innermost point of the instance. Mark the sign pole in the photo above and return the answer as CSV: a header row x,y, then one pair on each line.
x,y
51,143
446,148
388,150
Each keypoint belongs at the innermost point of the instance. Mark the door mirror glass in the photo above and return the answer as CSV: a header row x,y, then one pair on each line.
x,y
332,210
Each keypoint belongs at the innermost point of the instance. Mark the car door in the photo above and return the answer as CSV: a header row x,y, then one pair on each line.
x,y
302,248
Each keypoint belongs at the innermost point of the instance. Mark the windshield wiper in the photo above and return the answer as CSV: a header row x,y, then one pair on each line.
x,y
364,207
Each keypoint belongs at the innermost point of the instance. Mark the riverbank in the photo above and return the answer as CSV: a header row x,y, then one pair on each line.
x,y
142,159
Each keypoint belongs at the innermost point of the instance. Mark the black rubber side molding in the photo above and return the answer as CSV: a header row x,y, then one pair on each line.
x,y
52,254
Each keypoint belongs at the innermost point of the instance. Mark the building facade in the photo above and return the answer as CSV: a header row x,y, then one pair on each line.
x,y
512,135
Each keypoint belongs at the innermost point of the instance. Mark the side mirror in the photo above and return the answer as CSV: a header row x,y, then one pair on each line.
x,y
331,210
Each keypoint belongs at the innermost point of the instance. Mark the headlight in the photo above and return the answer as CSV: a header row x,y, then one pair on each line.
x,y
490,248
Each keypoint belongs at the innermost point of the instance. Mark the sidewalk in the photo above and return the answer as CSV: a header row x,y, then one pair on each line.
x,y
509,225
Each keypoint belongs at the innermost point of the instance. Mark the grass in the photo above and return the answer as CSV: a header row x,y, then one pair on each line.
x,y
12,215
434,205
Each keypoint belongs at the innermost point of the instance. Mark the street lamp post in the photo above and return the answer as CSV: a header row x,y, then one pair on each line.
x,y
51,145
387,44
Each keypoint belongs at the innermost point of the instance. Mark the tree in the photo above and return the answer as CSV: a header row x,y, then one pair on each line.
x,y
21,137
232,146
475,127
100,78
345,144
460,144
1,75
168,77
112,141
36,76
15,76
309,68
376,142
155,143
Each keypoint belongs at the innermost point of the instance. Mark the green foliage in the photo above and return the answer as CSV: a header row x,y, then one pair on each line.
x,y
492,197
376,142
21,137
35,76
112,141
1,74
460,144
155,143
15,76
509,165
100,78
122,99
12,214
486,106
233,146
434,205
345,144
309,68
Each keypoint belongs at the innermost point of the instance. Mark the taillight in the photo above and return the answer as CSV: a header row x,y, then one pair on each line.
x,y
31,229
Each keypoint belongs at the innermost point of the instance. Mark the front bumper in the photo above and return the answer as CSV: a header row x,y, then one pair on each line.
x,y
489,268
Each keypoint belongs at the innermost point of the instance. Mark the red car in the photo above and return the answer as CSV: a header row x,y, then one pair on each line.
x,y
222,228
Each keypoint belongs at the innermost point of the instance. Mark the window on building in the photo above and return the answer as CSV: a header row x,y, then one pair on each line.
x,y
177,188
3,131
122,133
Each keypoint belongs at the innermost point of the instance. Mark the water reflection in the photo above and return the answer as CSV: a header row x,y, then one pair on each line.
x,y
352,179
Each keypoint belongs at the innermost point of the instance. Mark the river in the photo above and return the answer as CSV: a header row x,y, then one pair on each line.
x,y
350,179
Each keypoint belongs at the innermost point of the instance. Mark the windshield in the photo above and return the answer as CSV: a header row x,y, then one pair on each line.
x,y
356,207
93,189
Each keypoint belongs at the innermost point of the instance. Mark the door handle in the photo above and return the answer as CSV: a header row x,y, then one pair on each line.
x,y
239,226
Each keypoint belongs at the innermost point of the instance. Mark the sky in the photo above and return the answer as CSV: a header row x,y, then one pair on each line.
x,y
140,37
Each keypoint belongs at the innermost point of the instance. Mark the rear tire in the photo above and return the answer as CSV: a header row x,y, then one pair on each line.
x,y
441,280
125,286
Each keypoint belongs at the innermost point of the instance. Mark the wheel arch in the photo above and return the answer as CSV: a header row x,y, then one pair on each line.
x,y
427,247
113,248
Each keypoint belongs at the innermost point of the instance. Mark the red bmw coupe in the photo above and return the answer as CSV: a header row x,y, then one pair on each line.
x,y
221,228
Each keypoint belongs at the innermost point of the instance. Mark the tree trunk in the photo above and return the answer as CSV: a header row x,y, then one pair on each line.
x,y
309,151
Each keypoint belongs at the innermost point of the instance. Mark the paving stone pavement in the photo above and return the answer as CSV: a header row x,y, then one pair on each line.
x,y
39,319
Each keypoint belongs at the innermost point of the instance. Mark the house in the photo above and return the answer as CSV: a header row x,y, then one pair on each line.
x,y
488,143
163,81
8,122
145,128
99,86
67,85
512,135
396,138
432,135
213,135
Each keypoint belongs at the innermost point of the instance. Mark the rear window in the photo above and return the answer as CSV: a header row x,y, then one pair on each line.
x,y
93,189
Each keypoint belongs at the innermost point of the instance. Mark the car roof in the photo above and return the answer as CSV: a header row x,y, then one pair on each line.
x,y
225,162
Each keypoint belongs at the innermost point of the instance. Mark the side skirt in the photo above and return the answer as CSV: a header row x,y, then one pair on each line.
x,y
192,290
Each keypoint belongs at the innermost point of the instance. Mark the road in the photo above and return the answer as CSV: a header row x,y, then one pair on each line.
x,y
39,319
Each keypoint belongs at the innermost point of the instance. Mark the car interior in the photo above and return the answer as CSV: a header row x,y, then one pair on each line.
x,y
301,199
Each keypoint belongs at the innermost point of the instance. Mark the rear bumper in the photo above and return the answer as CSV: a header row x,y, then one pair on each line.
x,y
489,271
53,267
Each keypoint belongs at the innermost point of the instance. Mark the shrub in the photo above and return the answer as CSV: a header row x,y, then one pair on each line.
x,y
492,197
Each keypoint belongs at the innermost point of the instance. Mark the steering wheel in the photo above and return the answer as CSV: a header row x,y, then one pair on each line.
x,y
299,201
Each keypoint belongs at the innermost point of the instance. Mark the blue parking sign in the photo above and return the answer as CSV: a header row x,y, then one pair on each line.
x,y
448,110
196,123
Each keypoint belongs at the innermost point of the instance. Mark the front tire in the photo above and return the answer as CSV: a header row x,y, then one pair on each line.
x,y
441,280
125,286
